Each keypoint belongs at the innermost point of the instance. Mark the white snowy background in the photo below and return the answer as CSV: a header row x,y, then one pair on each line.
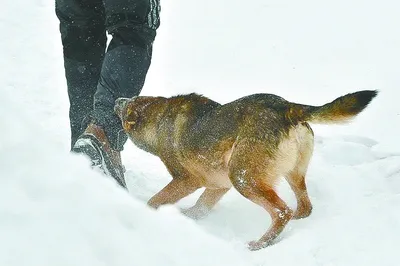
x,y
54,210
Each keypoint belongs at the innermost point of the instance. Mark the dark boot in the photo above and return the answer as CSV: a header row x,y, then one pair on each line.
x,y
94,143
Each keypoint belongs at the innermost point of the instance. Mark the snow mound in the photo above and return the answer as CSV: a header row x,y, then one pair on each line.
x,y
55,210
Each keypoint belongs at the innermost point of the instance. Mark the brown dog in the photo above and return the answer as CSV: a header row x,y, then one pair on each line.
x,y
249,143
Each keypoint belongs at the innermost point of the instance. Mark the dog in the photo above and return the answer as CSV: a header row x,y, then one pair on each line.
x,y
249,143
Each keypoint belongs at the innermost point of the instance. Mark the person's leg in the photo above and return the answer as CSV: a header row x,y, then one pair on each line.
x,y
133,25
83,34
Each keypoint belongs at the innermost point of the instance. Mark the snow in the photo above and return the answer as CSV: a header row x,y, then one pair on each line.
x,y
55,210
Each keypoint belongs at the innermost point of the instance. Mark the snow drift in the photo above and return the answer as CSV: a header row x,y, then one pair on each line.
x,y
54,210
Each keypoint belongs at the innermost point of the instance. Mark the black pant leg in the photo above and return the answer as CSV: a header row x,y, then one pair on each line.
x,y
133,25
83,34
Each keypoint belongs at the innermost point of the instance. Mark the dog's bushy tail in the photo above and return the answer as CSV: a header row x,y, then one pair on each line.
x,y
341,110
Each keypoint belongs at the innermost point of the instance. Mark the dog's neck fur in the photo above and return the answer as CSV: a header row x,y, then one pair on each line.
x,y
166,118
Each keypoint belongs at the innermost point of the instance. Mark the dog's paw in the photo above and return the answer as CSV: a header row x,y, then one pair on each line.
x,y
194,213
257,245
302,213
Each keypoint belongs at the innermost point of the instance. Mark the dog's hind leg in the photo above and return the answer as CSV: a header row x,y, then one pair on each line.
x,y
296,177
254,175
280,213
208,199
297,183
176,190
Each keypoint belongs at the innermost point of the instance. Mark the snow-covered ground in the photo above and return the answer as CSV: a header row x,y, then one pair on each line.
x,y
54,210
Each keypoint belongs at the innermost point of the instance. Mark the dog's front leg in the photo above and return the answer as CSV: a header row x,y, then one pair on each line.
x,y
172,193
205,203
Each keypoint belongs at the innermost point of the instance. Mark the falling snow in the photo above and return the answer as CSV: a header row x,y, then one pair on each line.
x,y
54,210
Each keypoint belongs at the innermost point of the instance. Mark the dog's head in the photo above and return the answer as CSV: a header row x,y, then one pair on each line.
x,y
134,111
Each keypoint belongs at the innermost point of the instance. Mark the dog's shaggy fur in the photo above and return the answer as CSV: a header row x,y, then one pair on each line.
x,y
248,144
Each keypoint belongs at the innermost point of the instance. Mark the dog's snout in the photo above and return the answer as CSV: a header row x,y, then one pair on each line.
x,y
120,102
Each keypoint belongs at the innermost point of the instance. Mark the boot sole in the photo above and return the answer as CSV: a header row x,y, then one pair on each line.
x,y
91,146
